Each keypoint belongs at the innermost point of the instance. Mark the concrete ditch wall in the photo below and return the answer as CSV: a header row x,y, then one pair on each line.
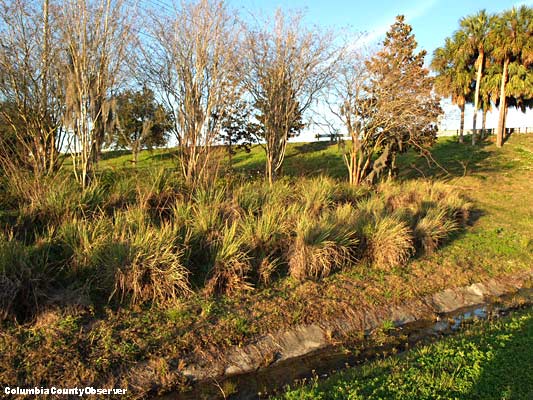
x,y
275,356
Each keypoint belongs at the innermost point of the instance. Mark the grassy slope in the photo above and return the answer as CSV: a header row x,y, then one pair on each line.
x,y
500,240
488,361
500,183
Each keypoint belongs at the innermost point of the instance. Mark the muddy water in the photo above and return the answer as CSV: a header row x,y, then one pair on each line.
x,y
270,380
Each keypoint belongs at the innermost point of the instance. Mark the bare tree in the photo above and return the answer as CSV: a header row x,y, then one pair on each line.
x,y
31,89
387,105
286,65
192,61
96,35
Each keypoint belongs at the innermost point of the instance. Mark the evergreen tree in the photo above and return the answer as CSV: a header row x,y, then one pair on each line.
x,y
140,121
404,110
238,131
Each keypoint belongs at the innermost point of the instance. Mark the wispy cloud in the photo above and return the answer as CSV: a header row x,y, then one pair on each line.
x,y
523,3
420,9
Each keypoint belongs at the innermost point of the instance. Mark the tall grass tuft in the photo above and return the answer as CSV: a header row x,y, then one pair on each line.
x,y
432,229
457,207
320,247
230,263
389,242
149,266
251,196
317,194
24,278
267,237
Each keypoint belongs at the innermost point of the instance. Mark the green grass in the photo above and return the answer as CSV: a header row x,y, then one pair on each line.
x,y
490,360
108,338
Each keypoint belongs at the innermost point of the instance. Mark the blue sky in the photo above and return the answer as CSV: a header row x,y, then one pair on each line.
x,y
432,20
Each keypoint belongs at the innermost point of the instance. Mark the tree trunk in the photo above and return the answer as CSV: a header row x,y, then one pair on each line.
x,y
476,98
269,168
484,123
503,105
135,153
462,123
380,165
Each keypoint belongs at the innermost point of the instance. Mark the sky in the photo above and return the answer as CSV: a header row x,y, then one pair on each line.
x,y
432,22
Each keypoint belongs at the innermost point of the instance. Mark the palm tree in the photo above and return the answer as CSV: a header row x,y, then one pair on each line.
x,y
489,91
512,38
475,29
454,75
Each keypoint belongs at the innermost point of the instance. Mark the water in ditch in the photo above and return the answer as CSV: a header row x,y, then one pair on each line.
x,y
271,380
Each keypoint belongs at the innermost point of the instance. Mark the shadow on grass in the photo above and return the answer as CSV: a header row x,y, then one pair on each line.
x,y
302,160
109,155
457,159
167,155
310,147
508,374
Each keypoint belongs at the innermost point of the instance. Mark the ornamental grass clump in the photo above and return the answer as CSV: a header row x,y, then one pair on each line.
x,y
266,237
321,246
147,264
432,229
317,194
389,242
28,272
230,264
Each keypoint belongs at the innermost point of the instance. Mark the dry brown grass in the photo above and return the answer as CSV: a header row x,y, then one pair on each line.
x,y
432,229
389,242
320,247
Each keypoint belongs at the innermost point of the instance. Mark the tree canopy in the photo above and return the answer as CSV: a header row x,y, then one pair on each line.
x,y
491,57
140,121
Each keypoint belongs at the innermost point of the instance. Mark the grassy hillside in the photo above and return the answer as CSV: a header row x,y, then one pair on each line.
x,y
498,181
138,270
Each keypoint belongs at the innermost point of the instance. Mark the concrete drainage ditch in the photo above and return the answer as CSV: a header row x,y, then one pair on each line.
x,y
260,369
